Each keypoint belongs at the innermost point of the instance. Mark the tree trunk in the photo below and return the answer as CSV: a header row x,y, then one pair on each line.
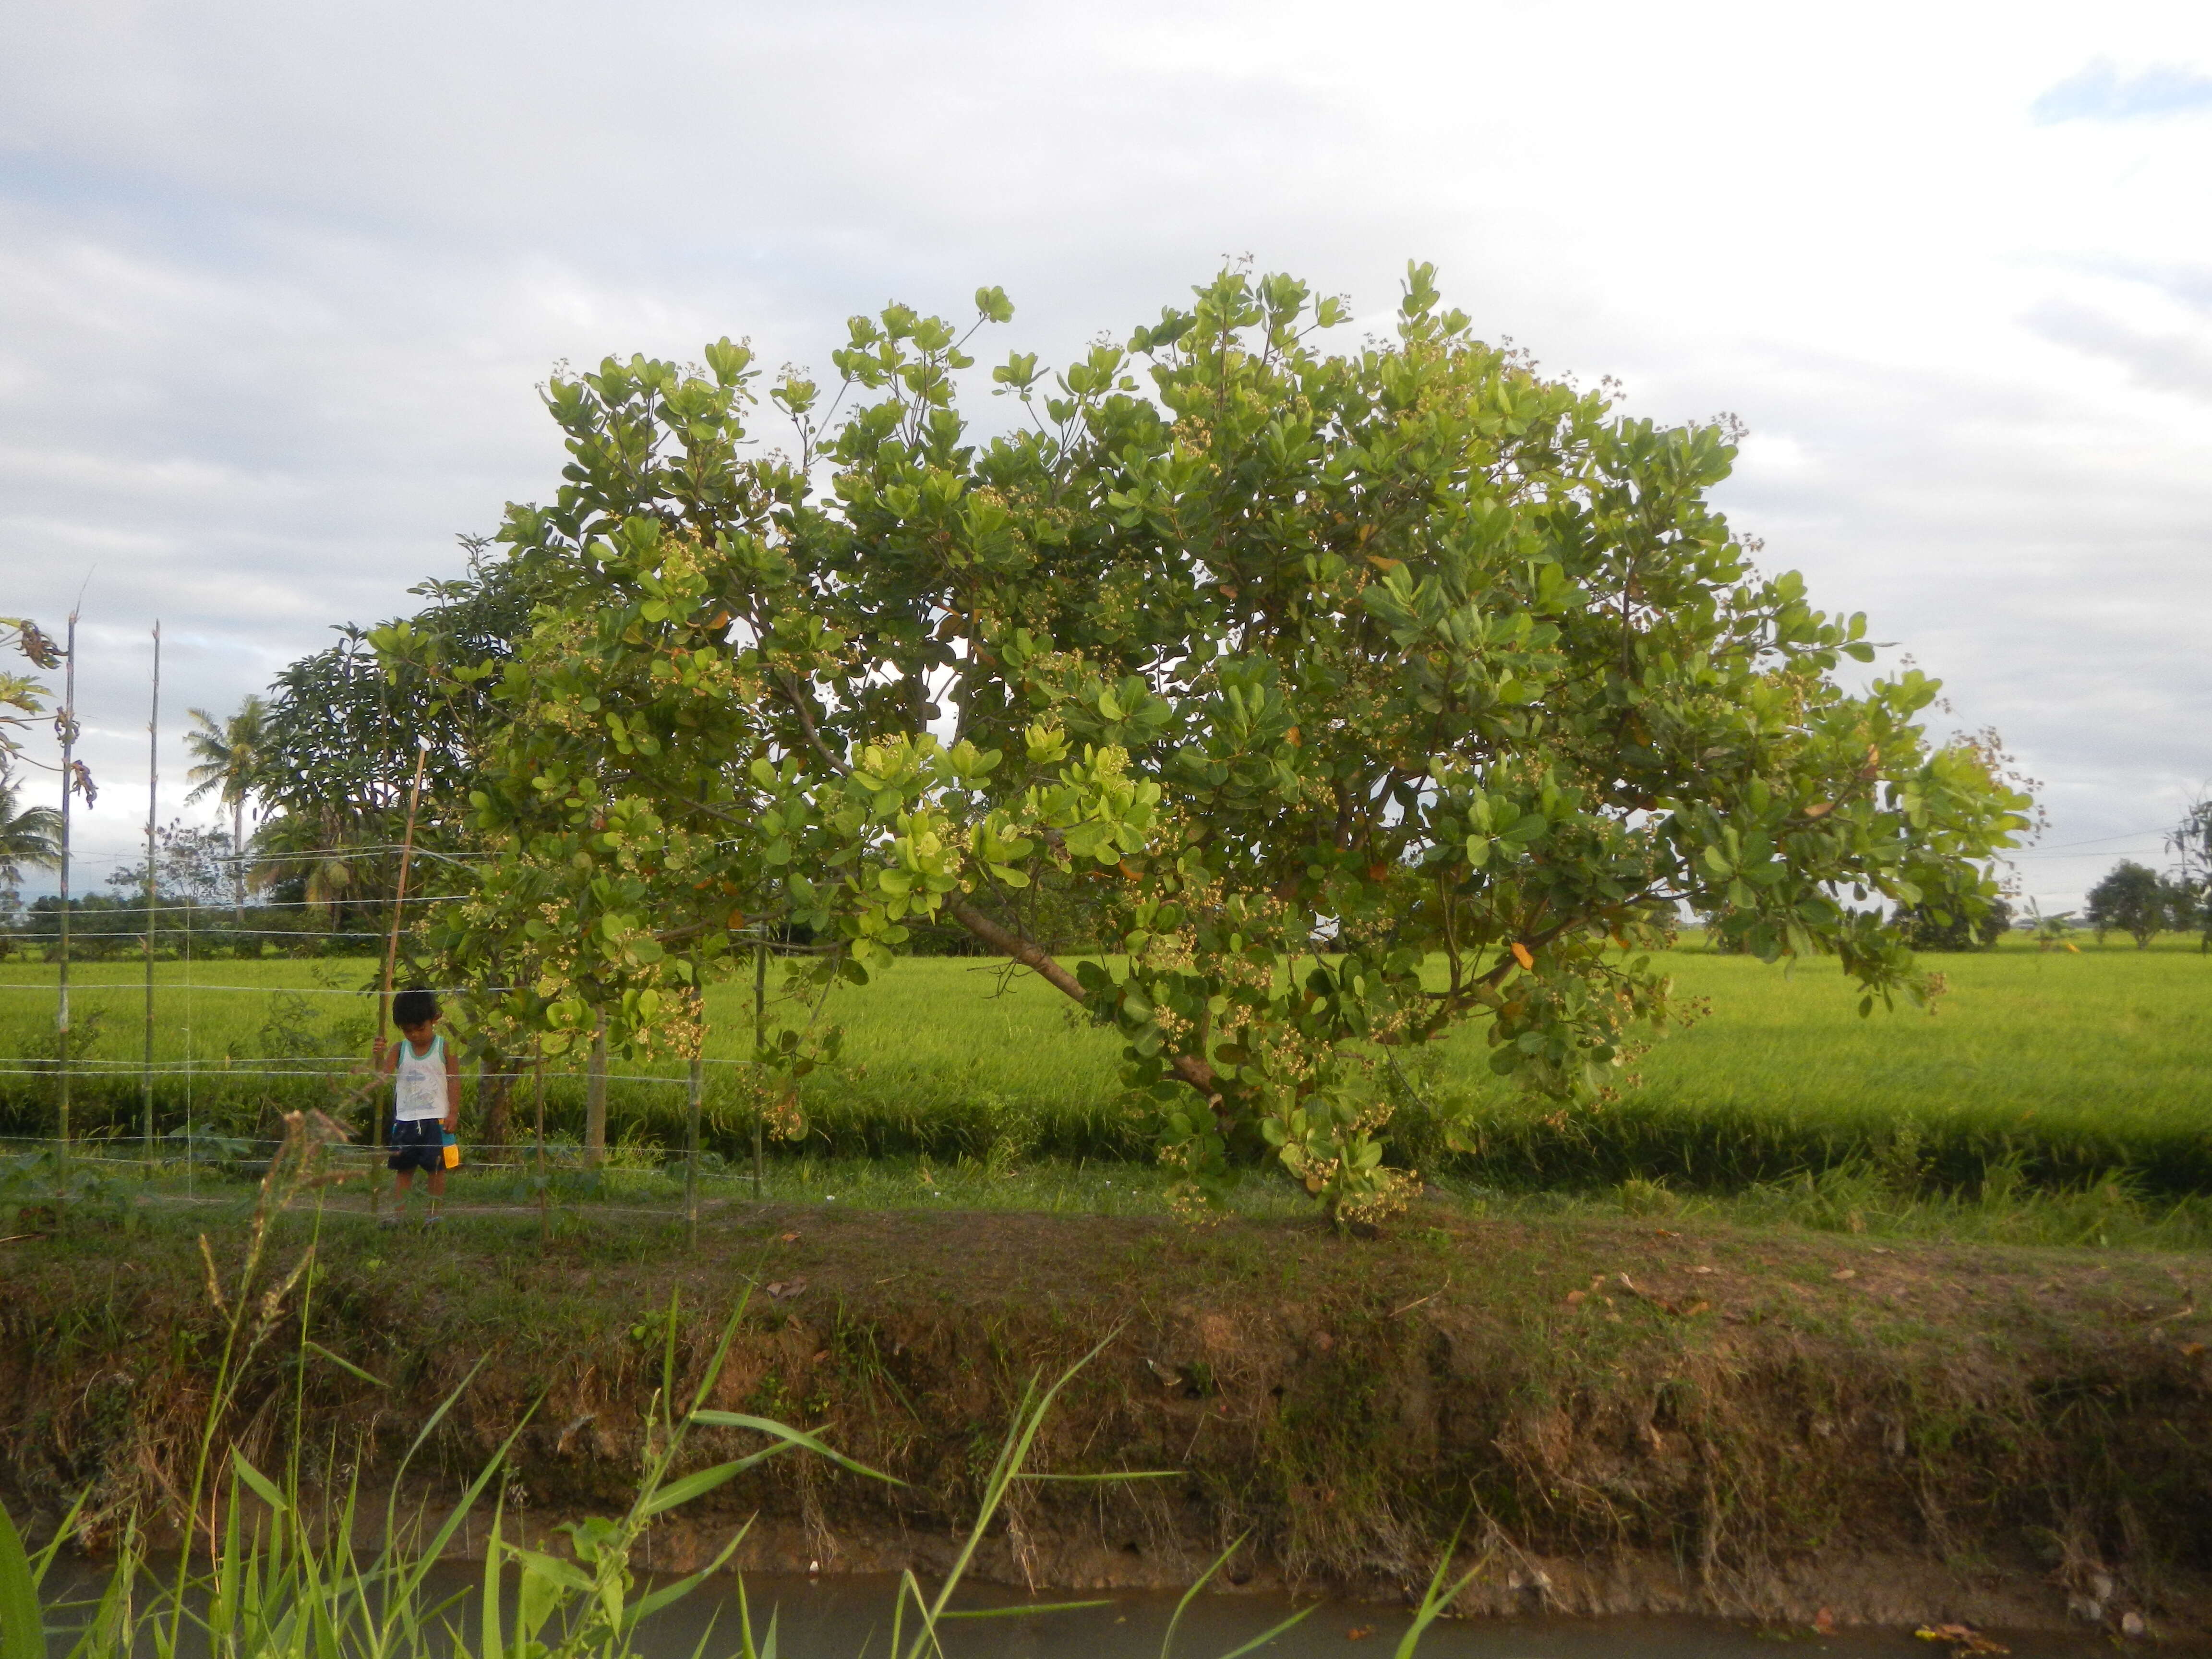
x,y
237,867
595,1101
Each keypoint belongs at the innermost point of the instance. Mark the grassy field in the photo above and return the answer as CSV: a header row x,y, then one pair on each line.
x,y
2042,1071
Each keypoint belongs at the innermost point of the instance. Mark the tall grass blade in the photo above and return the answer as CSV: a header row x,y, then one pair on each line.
x,y
342,1363
784,1432
747,1650
1435,1598
44,1558
22,1631
109,1631
488,1643
1189,1596
693,1486
648,1605
1269,1635
1029,1419
1021,1609
263,1487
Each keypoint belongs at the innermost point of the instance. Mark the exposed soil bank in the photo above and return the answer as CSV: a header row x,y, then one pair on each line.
x,y
1627,1418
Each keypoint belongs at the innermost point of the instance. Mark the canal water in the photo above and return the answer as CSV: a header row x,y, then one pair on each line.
x,y
850,1618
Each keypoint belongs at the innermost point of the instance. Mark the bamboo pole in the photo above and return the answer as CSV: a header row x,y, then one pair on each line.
x,y
544,1214
66,730
186,985
153,793
691,1163
760,1100
391,962
697,1085
595,1099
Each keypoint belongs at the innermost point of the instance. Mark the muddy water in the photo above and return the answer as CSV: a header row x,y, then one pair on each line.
x,y
848,1617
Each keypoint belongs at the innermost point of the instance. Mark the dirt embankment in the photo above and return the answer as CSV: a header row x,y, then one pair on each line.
x,y
1613,1419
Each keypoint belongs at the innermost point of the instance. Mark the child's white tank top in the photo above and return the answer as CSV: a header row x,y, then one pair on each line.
x,y
422,1081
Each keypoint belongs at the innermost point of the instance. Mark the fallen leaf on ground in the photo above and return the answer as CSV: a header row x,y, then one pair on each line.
x,y
782,1290
1575,1299
791,1238
1359,1632
1824,1622
1845,1273
1704,1270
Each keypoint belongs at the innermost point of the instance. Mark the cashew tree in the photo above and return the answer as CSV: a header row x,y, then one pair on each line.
x,y
1353,696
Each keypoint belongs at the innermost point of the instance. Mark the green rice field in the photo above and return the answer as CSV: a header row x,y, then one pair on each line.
x,y
2063,1069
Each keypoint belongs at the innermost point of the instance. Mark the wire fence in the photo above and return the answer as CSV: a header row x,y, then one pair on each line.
x,y
78,933
45,1181
172,1150
76,984
211,907
210,1097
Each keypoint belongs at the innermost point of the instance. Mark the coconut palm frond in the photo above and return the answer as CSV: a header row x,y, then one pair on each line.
x,y
228,754
30,836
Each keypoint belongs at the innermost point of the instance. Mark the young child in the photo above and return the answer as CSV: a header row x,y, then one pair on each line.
x,y
425,1097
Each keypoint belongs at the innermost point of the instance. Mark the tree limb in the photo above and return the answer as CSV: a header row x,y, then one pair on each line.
x,y
1189,1067
798,699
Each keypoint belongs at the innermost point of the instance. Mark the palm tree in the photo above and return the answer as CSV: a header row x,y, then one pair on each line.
x,y
229,755
29,838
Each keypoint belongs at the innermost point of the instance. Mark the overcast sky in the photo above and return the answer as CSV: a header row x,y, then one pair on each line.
x,y
278,282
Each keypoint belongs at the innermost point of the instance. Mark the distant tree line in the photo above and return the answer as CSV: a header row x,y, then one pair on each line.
x,y
2143,902
2130,898
314,778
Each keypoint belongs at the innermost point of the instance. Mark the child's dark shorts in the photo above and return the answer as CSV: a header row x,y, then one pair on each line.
x,y
416,1144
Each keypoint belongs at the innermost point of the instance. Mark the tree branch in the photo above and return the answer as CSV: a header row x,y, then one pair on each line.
x,y
1189,1067
798,699
1028,953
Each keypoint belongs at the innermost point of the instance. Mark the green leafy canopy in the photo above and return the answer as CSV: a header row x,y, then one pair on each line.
x,y
1353,694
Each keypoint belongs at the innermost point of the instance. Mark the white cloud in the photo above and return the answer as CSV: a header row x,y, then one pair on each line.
x,y
2101,93
277,282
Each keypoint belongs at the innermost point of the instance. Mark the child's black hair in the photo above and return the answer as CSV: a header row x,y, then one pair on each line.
x,y
411,1008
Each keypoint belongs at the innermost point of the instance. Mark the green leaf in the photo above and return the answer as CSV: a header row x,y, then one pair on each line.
x,y
693,1485
263,1487
489,1643
342,1362
790,1435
